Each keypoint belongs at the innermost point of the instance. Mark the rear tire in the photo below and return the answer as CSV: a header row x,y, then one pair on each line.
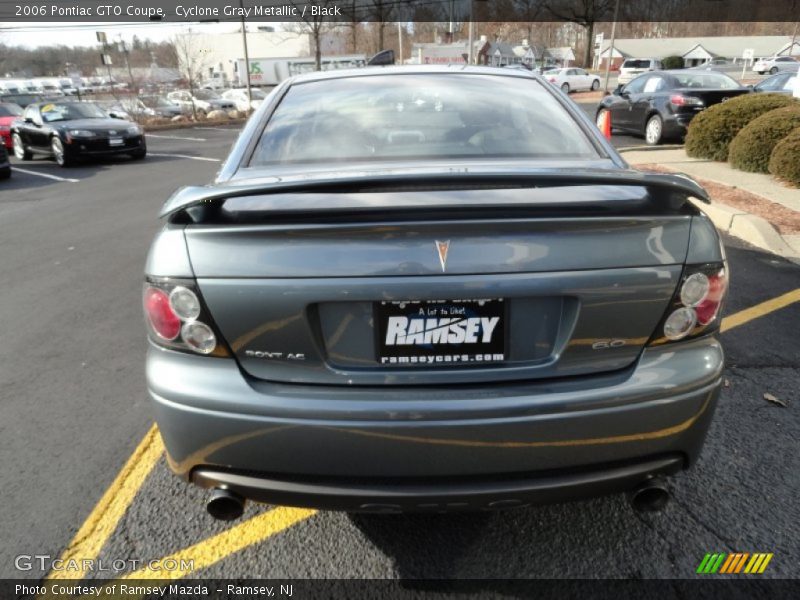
x,y
595,85
654,130
20,151
565,88
773,70
5,173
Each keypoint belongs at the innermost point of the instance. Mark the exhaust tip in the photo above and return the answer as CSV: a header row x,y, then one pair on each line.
x,y
225,505
651,496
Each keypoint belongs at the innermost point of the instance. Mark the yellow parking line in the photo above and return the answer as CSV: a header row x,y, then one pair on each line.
x,y
759,310
106,514
211,550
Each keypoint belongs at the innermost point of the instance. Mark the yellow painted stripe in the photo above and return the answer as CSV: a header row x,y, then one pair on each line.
x,y
108,511
759,310
741,562
211,550
753,561
760,560
764,564
727,564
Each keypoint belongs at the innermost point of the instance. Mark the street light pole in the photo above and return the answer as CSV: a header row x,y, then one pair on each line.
x,y
246,61
610,56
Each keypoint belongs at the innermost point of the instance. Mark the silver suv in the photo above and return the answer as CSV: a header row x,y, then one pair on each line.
x,y
636,66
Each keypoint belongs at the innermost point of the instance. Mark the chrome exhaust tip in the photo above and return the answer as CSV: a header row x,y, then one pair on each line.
x,y
650,496
225,505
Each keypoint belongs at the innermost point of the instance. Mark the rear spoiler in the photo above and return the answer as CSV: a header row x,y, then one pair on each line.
x,y
663,186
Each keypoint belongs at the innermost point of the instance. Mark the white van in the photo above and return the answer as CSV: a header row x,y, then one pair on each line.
x,y
632,67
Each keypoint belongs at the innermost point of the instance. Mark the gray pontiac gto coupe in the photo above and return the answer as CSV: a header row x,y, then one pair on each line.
x,y
437,289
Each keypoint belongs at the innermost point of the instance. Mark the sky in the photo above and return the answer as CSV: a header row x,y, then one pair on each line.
x,y
37,34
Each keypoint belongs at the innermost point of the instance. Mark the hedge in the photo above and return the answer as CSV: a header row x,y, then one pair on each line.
x,y
750,150
784,162
711,131
672,62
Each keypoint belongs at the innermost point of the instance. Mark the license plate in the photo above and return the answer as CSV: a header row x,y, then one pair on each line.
x,y
439,333
115,141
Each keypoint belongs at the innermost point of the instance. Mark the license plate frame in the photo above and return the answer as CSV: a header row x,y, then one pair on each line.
x,y
417,345
116,141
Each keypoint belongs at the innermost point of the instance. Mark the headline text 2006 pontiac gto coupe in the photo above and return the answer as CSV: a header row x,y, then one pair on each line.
x,y
431,289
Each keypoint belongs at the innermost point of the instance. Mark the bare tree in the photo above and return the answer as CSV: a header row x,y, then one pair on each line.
x,y
315,26
584,13
192,60
381,13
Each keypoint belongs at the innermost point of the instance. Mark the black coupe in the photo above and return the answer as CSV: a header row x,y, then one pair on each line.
x,y
659,105
68,131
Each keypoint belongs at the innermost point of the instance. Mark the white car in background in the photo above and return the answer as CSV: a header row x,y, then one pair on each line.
x,y
239,97
633,67
774,64
571,79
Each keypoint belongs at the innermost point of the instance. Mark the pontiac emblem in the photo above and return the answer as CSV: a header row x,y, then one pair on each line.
x,y
442,248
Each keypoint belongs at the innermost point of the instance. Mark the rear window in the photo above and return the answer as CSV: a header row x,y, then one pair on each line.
x,y
419,117
705,79
636,64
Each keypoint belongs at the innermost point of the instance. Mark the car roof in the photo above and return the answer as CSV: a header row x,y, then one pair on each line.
x,y
412,70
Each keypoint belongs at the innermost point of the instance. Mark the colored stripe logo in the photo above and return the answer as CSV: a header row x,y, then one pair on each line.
x,y
731,564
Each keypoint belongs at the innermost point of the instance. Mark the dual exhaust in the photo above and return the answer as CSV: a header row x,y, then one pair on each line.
x,y
649,496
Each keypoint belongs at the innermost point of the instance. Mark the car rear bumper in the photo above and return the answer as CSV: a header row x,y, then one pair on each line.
x,y
527,442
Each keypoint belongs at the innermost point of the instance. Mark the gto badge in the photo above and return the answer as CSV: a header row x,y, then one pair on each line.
x,y
442,248
606,344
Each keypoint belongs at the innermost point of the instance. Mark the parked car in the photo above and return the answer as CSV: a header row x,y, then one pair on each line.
x,y
660,105
239,97
160,106
5,164
204,101
782,83
69,130
9,112
633,67
572,79
472,308
774,64
718,63
22,100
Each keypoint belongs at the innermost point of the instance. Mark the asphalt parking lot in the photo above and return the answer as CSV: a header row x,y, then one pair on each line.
x,y
84,473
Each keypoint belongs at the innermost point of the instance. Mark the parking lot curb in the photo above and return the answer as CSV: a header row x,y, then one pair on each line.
x,y
753,229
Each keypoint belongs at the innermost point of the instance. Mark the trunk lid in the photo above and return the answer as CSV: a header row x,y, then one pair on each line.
x,y
540,282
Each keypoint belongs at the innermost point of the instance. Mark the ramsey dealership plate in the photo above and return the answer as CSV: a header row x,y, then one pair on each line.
x,y
440,332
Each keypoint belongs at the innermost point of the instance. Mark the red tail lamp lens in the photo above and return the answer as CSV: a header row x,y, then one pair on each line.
x,y
163,320
707,310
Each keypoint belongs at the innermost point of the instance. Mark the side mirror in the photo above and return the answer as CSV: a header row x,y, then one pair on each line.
x,y
29,120
115,115
618,90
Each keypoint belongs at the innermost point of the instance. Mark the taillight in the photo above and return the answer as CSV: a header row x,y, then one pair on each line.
x,y
695,308
177,319
680,100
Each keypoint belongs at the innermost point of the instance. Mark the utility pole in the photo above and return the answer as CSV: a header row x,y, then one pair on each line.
x,y
471,36
610,56
246,61
400,40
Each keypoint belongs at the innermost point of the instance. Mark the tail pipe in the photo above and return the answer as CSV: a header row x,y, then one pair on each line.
x,y
650,496
225,505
